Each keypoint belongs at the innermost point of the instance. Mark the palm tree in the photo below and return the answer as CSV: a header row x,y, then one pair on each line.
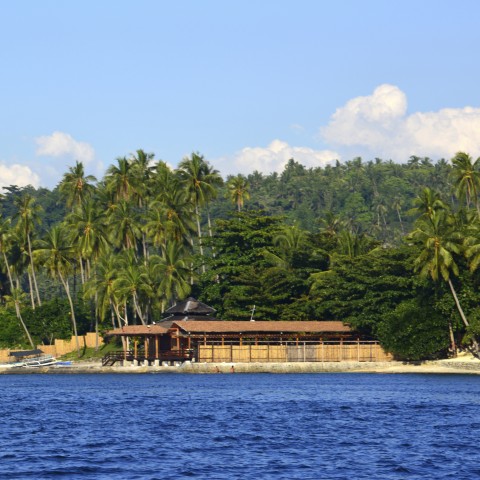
x,y
5,236
28,214
16,298
177,212
120,179
142,169
427,203
290,240
132,282
57,255
440,241
466,178
199,180
88,232
75,186
238,190
124,227
397,203
101,285
172,267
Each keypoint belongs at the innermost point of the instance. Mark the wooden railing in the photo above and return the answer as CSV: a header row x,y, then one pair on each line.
x,y
168,355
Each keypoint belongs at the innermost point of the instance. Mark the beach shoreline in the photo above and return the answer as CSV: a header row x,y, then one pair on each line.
x,y
463,364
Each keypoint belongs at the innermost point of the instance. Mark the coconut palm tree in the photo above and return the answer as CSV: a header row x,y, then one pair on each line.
x,y
123,225
75,186
27,216
88,232
440,242
120,179
466,178
57,256
132,281
172,268
199,180
15,294
427,203
238,190
16,298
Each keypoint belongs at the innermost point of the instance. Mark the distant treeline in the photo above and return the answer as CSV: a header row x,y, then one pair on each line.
x,y
390,248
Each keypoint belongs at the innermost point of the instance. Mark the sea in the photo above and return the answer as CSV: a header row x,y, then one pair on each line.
x,y
239,426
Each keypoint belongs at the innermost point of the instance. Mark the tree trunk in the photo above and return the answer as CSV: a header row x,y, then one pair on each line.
x,y
72,311
199,233
17,306
137,308
32,297
33,271
462,315
400,219
452,339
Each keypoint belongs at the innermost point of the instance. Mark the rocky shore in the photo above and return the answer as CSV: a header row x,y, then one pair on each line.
x,y
463,364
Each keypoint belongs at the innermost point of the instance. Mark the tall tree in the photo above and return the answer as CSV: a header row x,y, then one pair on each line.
x,y
238,190
199,180
75,186
120,179
173,270
5,238
57,254
28,216
466,178
440,242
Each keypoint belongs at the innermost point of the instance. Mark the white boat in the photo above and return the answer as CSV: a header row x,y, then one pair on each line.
x,y
43,361
28,360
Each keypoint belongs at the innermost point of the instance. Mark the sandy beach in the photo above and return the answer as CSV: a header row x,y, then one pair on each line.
x,y
464,364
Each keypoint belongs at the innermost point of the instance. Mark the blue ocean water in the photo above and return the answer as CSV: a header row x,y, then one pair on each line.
x,y
239,426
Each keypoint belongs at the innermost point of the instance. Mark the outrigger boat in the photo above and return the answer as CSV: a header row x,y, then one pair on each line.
x,y
30,358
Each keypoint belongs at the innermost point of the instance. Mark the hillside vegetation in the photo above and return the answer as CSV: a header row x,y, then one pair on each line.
x,y
392,249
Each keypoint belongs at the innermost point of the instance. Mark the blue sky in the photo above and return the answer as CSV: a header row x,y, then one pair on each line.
x,y
248,84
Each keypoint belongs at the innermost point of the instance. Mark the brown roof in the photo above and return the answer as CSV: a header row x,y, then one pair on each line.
x,y
132,330
199,326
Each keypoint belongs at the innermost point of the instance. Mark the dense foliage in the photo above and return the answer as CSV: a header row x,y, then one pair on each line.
x,y
392,249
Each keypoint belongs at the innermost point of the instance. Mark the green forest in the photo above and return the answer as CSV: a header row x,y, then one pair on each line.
x,y
391,249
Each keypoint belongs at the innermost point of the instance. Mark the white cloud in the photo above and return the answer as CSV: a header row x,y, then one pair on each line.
x,y
274,157
379,123
60,144
19,175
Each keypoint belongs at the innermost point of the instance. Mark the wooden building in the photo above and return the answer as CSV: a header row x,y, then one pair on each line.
x,y
190,333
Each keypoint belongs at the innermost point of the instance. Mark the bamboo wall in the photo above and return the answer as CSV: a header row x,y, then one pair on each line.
x,y
326,352
60,347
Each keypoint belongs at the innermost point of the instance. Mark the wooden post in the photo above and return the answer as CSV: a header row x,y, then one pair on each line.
x,y
358,349
157,347
135,348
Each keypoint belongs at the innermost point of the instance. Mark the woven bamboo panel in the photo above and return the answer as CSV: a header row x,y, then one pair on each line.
x,y
354,352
